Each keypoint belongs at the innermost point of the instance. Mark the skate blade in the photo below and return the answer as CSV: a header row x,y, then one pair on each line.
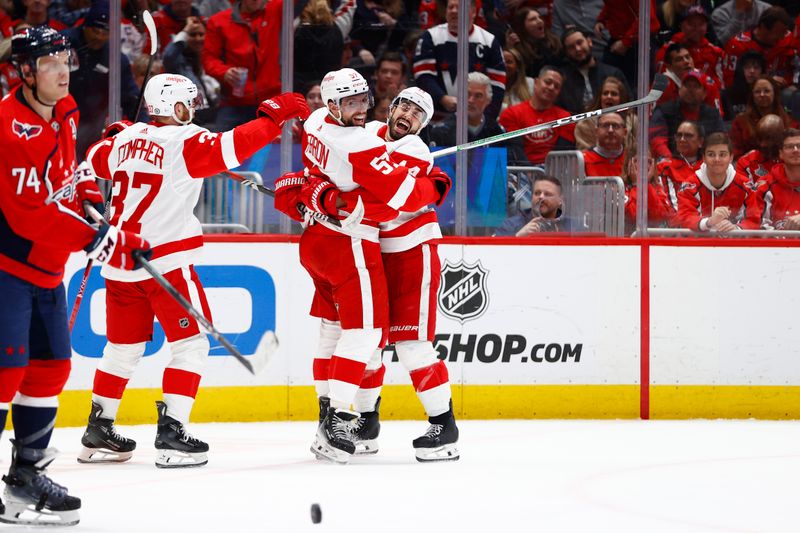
x,y
24,514
102,455
447,452
366,447
178,459
325,452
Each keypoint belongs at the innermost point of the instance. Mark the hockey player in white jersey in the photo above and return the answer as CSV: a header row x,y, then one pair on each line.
x,y
345,263
155,170
412,268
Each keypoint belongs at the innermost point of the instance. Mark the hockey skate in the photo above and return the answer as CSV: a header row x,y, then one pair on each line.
x,y
324,404
334,439
102,443
439,441
33,499
174,446
366,431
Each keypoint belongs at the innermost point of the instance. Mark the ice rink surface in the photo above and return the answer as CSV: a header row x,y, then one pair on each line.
x,y
535,475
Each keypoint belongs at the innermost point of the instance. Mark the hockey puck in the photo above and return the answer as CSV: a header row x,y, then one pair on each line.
x,y
316,513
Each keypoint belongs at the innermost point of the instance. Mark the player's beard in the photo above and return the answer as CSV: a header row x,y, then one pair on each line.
x,y
404,129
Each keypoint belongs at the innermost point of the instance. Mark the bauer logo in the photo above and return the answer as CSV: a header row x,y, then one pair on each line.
x,y
462,293
232,285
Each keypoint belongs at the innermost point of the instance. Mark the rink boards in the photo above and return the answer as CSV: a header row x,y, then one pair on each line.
x,y
529,328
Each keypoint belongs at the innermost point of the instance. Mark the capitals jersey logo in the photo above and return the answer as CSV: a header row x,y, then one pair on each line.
x,y
25,131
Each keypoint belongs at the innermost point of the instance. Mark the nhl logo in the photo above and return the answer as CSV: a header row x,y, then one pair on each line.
x,y
462,293
183,322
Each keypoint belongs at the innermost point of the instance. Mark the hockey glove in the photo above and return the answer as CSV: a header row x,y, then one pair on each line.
x,y
442,182
283,107
116,247
287,194
320,195
115,127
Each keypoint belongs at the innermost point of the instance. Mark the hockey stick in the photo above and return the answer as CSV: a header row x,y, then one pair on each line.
x,y
266,346
352,219
659,84
150,25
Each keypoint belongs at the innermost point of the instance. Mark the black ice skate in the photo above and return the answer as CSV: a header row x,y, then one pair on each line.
x,y
334,439
175,447
366,431
102,443
324,404
32,498
439,441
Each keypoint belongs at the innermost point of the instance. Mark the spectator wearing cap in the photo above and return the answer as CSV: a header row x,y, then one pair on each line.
x,y
583,73
736,16
773,40
706,57
171,19
678,61
690,105
89,84
242,52
764,99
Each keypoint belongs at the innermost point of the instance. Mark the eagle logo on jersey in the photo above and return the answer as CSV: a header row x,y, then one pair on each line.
x,y
463,295
25,131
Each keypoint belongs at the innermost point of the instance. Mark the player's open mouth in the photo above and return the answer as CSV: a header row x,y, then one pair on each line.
x,y
402,125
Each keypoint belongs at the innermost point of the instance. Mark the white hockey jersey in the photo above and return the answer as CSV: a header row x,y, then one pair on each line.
x,y
358,162
154,169
407,230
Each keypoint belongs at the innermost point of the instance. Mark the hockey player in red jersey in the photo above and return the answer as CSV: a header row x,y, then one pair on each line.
x,y
345,263
413,270
39,228
155,170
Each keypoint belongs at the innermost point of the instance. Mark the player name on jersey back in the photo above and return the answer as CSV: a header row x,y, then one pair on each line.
x,y
143,149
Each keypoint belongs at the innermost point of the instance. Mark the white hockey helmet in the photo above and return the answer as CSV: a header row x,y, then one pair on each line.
x,y
417,96
163,91
338,84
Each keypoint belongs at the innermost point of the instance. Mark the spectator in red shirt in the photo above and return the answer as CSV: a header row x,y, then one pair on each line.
x,y
706,57
605,158
171,19
539,109
243,43
675,171
621,19
659,209
776,205
715,198
689,106
757,163
764,100
772,38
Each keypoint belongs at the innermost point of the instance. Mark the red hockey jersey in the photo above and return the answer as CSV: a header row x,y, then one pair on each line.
x,y
777,199
697,199
39,227
780,58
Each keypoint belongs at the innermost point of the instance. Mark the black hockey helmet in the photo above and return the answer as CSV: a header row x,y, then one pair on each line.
x,y
32,43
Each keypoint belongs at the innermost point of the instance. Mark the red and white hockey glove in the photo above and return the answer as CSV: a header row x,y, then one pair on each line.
x,y
287,194
442,182
116,247
283,107
115,127
320,195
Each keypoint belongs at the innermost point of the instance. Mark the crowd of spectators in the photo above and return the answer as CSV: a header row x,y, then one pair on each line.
x,y
733,68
